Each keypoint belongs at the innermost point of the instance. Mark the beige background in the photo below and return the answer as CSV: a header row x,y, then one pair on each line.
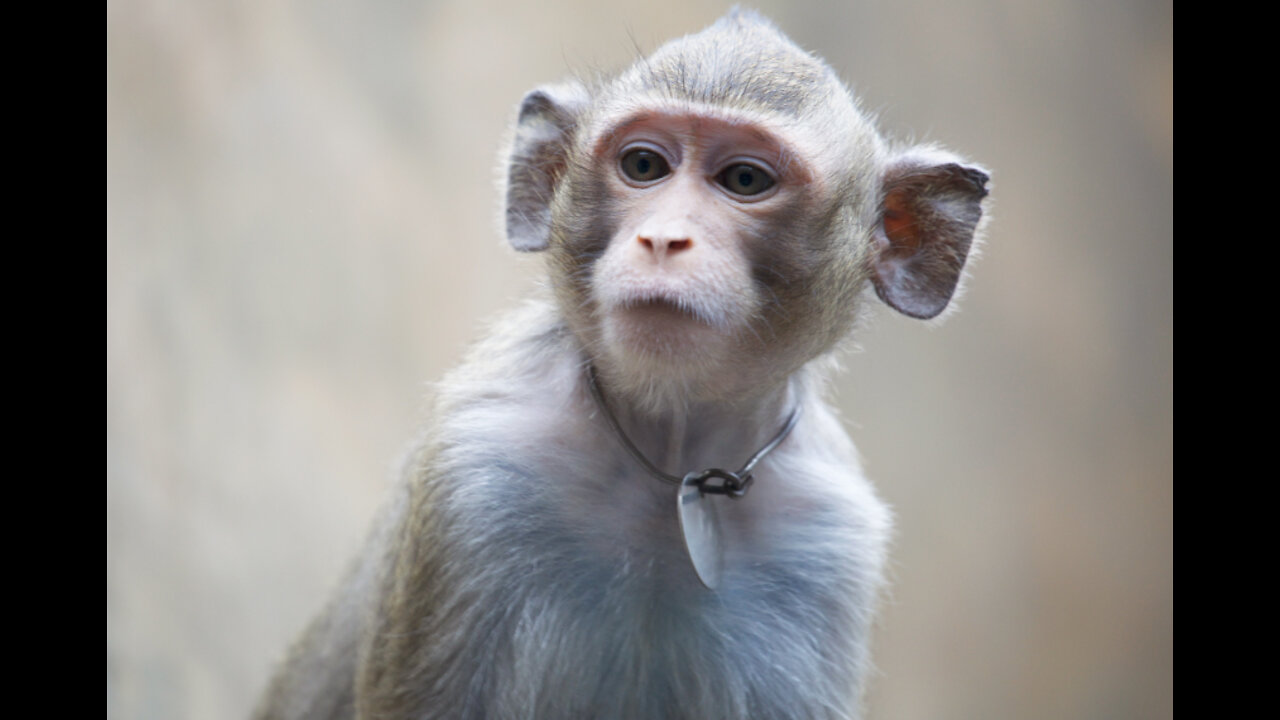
x,y
301,234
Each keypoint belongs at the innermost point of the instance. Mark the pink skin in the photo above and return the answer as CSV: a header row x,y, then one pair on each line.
x,y
675,282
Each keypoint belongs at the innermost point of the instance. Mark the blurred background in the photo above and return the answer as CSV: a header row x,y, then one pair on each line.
x,y
301,235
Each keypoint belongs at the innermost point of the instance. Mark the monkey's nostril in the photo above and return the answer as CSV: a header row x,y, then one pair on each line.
x,y
665,246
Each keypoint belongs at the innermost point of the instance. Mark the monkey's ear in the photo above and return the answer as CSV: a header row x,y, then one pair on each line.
x,y
931,208
539,151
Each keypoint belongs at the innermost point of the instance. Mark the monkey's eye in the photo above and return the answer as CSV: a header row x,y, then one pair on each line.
x,y
645,165
744,179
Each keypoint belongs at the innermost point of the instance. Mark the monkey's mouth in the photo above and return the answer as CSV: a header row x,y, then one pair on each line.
x,y
661,326
661,307
670,305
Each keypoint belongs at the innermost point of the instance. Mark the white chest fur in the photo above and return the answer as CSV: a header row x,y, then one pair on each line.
x,y
599,612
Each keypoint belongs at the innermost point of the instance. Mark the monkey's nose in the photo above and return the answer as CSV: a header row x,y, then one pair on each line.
x,y
661,246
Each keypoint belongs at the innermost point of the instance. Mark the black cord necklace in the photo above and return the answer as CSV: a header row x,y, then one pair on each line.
x,y
699,520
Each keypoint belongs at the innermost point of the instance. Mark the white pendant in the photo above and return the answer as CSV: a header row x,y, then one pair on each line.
x,y
700,525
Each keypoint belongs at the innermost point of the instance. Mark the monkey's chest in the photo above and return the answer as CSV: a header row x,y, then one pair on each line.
x,y
645,639
605,616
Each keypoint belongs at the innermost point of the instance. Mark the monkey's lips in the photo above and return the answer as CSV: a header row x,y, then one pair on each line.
x,y
660,326
670,301
661,307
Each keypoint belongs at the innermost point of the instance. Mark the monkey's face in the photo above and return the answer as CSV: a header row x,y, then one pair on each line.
x,y
696,270
691,195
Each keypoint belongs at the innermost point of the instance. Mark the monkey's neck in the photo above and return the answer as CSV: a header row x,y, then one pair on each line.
x,y
695,435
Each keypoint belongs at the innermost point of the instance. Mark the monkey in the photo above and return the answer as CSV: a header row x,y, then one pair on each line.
x,y
633,500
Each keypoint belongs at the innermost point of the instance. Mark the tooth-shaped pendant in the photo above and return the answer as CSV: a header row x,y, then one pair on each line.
x,y
700,524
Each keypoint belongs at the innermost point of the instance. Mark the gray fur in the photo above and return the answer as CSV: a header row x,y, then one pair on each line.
x,y
528,567
547,116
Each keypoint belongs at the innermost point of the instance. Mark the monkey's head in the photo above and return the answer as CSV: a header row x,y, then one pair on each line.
x,y
715,213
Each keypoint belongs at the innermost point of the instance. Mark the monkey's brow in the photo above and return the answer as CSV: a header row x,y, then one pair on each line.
x,y
739,122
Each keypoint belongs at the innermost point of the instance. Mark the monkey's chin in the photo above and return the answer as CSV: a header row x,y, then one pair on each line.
x,y
659,344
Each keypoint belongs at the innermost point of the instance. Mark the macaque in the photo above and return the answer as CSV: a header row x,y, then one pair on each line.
x,y
632,500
